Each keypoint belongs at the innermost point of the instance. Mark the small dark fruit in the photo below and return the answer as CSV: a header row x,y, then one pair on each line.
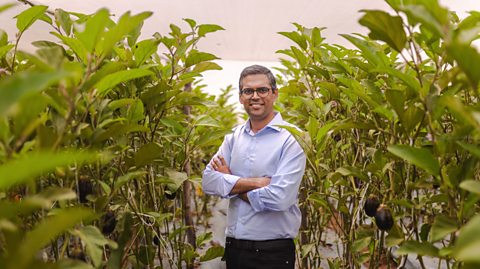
x,y
109,221
85,187
156,240
383,218
371,205
169,194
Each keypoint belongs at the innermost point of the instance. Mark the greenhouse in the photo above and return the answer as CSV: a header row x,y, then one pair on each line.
x,y
239,134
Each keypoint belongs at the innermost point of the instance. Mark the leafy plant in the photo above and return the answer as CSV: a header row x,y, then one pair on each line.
x,y
120,122
387,119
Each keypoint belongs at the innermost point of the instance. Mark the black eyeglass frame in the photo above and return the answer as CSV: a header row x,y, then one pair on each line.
x,y
261,92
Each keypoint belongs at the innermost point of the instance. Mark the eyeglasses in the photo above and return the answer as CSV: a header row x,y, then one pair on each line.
x,y
261,92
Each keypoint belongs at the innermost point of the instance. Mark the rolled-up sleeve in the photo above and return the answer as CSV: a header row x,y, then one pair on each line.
x,y
282,192
216,183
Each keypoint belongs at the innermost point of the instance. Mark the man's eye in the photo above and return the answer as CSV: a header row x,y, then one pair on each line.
x,y
248,91
262,90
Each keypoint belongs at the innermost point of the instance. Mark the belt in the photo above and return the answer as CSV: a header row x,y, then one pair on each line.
x,y
258,245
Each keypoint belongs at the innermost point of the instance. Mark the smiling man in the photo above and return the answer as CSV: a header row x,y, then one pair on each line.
x,y
259,167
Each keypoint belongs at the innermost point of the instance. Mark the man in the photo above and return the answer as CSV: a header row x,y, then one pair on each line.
x,y
258,167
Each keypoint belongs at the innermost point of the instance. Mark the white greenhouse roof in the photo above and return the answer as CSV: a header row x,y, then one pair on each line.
x,y
250,26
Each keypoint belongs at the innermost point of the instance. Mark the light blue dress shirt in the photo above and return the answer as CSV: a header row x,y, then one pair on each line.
x,y
273,212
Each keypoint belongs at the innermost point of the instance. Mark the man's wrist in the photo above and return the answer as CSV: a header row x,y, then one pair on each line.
x,y
244,197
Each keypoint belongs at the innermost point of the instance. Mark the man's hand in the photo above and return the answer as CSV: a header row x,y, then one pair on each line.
x,y
263,181
220,165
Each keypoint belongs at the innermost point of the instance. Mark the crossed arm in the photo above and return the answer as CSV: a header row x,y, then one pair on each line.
x,y
243,185
276,193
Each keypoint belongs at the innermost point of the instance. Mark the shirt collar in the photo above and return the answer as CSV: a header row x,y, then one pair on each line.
x,y
277,120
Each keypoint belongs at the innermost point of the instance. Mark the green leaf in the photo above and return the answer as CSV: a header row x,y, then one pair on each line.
x,y
460,111
32,203
409,80
202,239
191,22
441,227
124,102
420,157
299,56
94,28
475,151
430,14
318,200
385,27
472,186
468,242
420,248
5,49
148,153
110,81
29,16
369,51
28,110
75,45
395,236
63,20
204,29
396,99
44,233
468,60
31,165
94,241
13,88
361,244
212,137
351,171
3,38
296,37
317,36
119,129
411,117
107,69
212,253
206,120
125,25
135,111
144,49
205,66
196,57
7,6
174,179
126,178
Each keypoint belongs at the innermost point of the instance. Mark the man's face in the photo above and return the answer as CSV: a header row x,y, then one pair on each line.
x,y
257,107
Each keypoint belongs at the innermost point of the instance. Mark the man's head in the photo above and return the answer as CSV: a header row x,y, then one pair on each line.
x,y
258,92
255,70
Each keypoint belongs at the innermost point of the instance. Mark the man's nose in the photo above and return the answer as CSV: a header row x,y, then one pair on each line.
x,y
255,95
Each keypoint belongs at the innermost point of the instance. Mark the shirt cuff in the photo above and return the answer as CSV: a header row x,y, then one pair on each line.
x,y
255,201
230,181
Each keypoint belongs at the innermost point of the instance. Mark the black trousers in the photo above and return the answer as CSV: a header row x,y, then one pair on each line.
x,y
248,254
